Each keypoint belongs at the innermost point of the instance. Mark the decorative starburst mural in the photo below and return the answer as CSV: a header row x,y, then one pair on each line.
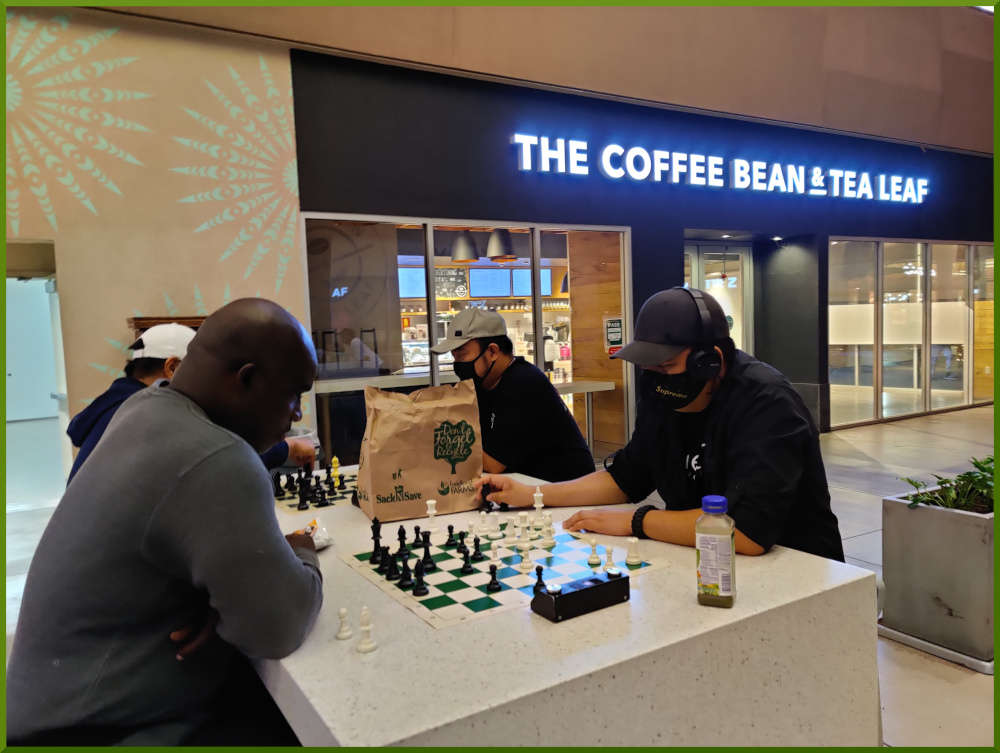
x,y
245,169
64,112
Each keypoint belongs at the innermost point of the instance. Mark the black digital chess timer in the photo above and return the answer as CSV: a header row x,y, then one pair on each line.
x,y
561,602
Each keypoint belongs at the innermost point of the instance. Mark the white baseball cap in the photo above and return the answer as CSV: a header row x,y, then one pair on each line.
x,y
162,341
470,324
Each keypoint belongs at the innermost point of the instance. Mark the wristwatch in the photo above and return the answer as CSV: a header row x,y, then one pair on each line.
x,y
637,521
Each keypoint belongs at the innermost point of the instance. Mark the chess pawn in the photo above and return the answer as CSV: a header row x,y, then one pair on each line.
x,y
609,563
594,560
633,557
367,644
345,631
526,565
548,537
495,552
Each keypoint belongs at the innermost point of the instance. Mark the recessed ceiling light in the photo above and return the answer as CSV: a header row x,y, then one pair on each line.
x,y
776,238
726,235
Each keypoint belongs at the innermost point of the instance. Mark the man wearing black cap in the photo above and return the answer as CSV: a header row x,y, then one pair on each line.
x,y
526,427
711,420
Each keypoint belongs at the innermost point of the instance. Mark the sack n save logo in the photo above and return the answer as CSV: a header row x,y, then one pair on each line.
x,y
453,443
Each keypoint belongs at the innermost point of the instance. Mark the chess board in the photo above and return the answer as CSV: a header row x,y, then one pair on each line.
x,y
334,495
453,598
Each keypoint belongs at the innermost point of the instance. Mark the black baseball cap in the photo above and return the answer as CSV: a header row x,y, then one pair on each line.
x,y
669,322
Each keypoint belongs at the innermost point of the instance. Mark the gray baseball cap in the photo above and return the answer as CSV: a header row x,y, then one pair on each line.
x,y
669,322
470,324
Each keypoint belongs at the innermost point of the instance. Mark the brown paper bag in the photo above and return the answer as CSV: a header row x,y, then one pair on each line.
x,y
425,445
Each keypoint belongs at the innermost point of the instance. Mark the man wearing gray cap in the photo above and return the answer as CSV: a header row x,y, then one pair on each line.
x,y
525,425
711,420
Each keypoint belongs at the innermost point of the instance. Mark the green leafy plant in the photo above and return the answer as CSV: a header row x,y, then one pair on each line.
x,y
971,491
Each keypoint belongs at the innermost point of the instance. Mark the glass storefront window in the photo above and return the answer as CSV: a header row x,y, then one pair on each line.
x,y
355,308
721,270
852,331
982,309
903,270
489,268
949,283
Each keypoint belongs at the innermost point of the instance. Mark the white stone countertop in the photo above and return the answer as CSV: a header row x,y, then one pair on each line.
x,y
421,678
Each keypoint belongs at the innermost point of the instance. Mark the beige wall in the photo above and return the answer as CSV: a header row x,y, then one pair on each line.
x,y
162,167
918,74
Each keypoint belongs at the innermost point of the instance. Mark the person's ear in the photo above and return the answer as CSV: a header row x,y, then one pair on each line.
x,y
722,358
170,367
246,374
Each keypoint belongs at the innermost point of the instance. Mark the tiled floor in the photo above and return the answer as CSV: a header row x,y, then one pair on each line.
x,y
925,700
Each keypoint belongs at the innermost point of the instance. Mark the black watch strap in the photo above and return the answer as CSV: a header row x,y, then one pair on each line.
x,y
637,521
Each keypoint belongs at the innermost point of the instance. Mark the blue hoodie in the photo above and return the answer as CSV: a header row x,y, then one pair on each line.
x,y
87,426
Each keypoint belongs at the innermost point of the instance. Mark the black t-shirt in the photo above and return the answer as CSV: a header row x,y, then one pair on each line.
x,y
527,427
755,444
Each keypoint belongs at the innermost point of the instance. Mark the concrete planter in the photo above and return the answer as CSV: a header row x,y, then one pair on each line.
x,y
937,564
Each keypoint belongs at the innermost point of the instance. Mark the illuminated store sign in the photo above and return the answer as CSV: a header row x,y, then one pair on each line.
x,y
740,173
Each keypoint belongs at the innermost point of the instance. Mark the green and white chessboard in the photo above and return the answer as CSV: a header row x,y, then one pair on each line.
x,y
453,598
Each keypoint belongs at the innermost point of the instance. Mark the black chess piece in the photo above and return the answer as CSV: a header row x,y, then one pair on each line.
x,y
303,503
428,562
406,575
354,498
376,528
494,584
539,584
416,537
341,485
487,490
383,562
477,555
290,485
276,482
393,573
467,568
376,557
401,535
329,474
321,500
419,587
504,507
462,548
451,536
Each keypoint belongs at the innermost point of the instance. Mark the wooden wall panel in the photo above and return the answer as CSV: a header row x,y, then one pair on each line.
x,y
595,288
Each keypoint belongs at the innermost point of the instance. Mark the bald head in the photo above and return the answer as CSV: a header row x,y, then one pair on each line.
x,y
247,368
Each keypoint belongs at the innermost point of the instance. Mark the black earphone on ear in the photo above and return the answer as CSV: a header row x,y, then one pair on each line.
x,y
704,361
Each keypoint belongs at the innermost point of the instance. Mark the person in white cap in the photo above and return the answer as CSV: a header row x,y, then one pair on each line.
x,y
155,357
525,425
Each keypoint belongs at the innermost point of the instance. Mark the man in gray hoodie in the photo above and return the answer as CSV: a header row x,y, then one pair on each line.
x,y
170,527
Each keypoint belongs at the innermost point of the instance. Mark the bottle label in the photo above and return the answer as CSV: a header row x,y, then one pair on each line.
x,y
715,563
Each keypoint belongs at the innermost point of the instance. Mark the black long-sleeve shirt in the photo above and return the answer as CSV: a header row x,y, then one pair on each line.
x,y
755,443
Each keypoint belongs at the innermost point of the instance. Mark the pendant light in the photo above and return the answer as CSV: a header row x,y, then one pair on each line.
x,y
463,250
500,247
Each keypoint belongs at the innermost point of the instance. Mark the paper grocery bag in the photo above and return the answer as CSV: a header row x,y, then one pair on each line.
x,y
425,445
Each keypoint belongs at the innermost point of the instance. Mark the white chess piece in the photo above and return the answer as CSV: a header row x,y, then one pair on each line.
x,y
471,534
366,645
495,532
548,536
431,508
483,526
609,563
526,565
511,531
537,496
345,631
594,559
633,557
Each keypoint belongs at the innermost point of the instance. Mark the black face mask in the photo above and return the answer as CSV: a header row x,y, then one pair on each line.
x,y
467,369
672,391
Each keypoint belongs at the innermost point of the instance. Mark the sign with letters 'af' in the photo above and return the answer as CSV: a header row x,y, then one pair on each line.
x,y
619,162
